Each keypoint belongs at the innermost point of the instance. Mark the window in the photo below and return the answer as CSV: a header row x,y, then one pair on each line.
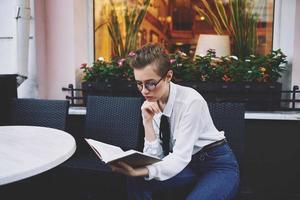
x,y
175,24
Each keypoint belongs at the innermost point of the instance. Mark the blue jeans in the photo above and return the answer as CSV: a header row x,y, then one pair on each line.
x,y
214,175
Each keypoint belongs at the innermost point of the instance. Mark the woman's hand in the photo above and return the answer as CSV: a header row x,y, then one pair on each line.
x,y
127,170
149,108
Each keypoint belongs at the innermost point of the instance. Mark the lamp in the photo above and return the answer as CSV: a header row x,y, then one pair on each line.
x,y
220,43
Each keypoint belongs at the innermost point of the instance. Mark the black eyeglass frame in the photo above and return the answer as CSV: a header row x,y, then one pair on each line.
x,y
150,84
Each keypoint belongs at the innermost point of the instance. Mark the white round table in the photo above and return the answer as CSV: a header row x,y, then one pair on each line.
x,y
29,150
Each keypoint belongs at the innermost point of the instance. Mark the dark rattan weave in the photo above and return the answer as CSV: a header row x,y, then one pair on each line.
x,y
229,117
39,112
114,120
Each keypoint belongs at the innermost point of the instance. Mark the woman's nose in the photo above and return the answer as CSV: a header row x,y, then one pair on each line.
x,y
144,90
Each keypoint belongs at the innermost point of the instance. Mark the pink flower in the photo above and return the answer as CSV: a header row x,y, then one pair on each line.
x,y
121,61
131,54
83,65
172,61
90,69
226,78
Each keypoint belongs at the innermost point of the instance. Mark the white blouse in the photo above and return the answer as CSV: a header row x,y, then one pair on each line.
x,y
191,129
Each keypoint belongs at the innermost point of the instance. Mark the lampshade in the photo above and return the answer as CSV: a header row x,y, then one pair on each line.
x,y
220,43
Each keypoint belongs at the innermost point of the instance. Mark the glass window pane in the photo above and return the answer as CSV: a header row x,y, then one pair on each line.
x,y
175,24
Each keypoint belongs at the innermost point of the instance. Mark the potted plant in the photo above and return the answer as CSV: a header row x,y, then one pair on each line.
x,y
113,78
217,79
133,16
252,80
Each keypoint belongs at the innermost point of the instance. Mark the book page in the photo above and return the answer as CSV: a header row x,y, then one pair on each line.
x,y
106,151
121,155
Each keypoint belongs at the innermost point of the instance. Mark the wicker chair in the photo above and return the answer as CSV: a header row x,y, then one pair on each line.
x,y
39,112
113,120
228,117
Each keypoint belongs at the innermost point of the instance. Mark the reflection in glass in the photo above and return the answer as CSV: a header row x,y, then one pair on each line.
x,y
176,25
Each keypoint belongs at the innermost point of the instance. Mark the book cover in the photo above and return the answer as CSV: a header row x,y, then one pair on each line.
x,y
111,154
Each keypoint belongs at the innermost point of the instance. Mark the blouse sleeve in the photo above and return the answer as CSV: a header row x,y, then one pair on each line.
x,y
153,148
189,128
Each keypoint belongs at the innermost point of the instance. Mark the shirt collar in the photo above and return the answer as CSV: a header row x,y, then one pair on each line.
x,y
169,106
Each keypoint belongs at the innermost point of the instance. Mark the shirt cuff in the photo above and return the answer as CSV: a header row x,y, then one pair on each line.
x,y
151,171
153,144
153,147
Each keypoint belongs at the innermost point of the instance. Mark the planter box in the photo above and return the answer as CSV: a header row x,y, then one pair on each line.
x,y
109,88
256,96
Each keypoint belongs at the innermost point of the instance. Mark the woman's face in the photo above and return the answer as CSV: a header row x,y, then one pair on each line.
x,y
152,86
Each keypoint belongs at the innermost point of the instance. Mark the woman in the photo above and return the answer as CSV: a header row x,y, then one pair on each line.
x,y
195,152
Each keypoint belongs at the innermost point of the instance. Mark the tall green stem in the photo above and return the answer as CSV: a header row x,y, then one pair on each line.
x,y
133,17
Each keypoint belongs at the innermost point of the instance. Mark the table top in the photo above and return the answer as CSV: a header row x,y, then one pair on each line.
x,y
29,150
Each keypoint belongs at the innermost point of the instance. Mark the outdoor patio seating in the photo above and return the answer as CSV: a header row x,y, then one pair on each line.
x,y
38,112
228,117
113,120
31,113
116,120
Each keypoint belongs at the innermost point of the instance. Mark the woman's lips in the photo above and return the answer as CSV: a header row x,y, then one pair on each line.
x,y
148,97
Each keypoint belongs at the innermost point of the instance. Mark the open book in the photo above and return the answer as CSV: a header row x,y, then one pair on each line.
x,y
111,154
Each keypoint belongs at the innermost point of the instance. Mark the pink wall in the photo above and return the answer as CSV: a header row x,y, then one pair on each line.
x,y
41,47
61,44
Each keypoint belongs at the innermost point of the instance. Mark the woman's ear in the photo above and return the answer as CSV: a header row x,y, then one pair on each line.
x,y
169,75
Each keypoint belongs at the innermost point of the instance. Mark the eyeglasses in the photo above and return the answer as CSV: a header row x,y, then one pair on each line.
x,y
149,85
